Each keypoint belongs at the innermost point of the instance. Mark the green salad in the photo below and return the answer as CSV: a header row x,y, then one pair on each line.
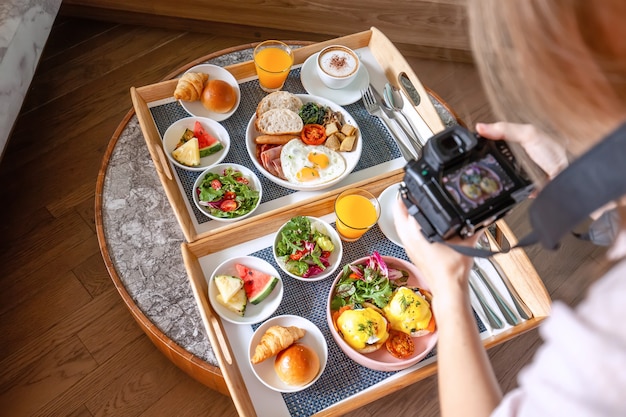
x,y
227,195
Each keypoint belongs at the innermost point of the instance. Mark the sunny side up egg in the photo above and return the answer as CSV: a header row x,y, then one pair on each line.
x,y
308,164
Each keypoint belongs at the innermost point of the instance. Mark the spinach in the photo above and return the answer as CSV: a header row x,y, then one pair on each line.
x,y
312,113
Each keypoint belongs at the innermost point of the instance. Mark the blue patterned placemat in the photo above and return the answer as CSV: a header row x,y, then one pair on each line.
x,y
342,376
378,145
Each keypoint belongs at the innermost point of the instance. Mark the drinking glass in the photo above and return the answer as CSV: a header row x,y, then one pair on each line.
x,y
273,61
357,210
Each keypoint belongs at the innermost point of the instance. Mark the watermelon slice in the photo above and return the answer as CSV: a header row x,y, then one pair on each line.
x,y
208,143
258,285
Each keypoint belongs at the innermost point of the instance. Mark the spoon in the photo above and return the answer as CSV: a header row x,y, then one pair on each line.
x,y
393,99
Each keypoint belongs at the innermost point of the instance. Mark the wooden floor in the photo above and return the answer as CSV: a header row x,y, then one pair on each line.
x,y
69,347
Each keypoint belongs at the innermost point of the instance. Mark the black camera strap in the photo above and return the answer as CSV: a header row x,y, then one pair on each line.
x,y
586,185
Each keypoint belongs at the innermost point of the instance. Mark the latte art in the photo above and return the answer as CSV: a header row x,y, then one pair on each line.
x,y
338,63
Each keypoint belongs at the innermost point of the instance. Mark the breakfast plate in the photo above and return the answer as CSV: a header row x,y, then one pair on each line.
x,y
313,338
387,200
351,158
314,85
195,108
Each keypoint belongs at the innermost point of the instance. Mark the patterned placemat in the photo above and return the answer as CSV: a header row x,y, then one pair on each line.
x,y
378,145
342,376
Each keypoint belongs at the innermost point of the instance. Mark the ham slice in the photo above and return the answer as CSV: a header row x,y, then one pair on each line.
x,y
270,160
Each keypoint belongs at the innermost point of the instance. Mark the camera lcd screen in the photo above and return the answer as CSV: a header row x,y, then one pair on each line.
x,y
476,183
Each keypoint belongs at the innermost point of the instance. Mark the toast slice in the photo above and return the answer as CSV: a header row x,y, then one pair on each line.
x,y
279,122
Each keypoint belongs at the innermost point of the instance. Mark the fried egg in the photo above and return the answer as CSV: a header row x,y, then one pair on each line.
x,y
308,164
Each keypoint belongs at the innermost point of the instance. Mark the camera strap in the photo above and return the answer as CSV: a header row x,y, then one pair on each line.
x,y
586,185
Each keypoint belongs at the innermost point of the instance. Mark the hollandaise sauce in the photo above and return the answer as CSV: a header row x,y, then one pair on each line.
x,y
362,327
408,311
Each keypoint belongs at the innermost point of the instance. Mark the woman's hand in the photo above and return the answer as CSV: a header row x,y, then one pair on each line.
x,y
549,155
445,269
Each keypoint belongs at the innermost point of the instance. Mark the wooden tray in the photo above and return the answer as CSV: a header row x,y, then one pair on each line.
x,y
388,59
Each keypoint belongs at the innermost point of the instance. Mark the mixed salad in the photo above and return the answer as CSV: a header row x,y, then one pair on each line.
x,y
304,250
227,195
371,282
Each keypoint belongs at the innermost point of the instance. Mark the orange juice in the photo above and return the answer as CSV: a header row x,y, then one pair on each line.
x,y
355,215
273,63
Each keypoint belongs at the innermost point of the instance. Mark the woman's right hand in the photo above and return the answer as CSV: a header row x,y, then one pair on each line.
x,y
549,155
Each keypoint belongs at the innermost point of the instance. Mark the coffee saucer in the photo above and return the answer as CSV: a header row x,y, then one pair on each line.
x,y
314,85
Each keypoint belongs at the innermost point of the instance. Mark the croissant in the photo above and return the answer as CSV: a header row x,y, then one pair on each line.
x,y
190,86
275,339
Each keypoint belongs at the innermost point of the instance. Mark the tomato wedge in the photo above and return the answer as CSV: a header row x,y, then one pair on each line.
x,y
313,134
228,205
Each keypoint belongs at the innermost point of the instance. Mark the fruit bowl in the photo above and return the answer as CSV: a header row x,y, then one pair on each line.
x,y
253,313
335,255
381,359
176,130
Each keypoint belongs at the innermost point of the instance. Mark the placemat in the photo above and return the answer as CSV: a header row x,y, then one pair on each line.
x,y
342,377
378,145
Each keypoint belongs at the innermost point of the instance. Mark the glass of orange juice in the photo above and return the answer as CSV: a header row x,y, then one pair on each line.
x,y
357,211
273,61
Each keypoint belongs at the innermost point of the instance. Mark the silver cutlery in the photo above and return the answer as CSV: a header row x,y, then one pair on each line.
x,y
374,108
492,317
390,114
393,99
520,306
508,313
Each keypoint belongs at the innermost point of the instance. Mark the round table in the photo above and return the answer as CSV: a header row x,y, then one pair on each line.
x,y
140,241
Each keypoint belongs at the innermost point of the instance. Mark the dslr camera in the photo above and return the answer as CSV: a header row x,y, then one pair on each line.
x,y
462,183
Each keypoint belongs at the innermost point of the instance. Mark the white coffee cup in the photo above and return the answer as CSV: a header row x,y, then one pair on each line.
x,y
337,66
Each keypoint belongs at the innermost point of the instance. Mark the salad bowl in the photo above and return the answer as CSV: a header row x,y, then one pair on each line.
x,y
304,241
381,359
235,196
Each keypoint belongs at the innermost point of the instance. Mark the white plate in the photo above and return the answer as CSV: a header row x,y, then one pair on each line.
x,y
195,108
352,158
314,85
334,258
388,199
313,338
175,131
254,184
253,313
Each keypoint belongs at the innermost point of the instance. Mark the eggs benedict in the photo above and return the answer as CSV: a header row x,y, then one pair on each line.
x,y
364,329
409,311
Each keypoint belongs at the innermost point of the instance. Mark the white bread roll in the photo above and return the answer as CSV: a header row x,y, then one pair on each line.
x,y
278,100
279,122
218,96
297,365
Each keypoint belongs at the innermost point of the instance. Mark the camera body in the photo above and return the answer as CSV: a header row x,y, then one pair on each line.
x,y
462,183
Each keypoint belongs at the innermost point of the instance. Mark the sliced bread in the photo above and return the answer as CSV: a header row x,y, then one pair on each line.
x,y
278,100
279,122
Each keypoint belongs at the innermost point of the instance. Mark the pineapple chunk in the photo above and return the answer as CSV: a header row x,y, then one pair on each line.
x,y
237,302
228,286
188,154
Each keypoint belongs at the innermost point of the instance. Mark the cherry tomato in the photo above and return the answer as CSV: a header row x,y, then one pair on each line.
x,y
400,344
230,195
298,255
216,184
242,180
313,134
228,205
325,254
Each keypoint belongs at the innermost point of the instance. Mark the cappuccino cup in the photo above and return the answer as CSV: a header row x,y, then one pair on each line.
x,y
337,66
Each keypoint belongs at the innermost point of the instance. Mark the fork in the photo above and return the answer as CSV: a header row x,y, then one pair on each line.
x,y
373,107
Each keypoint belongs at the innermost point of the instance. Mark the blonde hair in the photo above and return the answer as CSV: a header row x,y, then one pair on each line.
x,y
557,64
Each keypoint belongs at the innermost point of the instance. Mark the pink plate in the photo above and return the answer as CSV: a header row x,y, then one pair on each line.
x,y
381,360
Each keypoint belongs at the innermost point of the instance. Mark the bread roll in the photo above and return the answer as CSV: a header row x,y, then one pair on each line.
x,y
278,100
218,96
279,122
297,365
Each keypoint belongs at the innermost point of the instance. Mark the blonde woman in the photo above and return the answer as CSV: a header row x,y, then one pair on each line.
x,y
556,72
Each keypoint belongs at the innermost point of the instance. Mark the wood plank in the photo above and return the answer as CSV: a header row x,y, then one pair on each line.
x,y
46,379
